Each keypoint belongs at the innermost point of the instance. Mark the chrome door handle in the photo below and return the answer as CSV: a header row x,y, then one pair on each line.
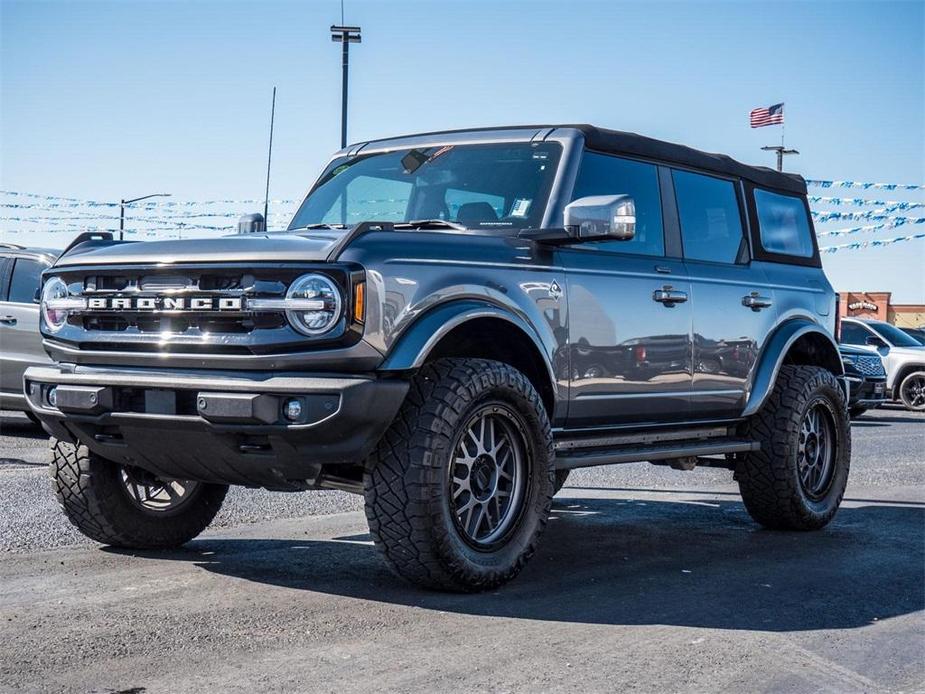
x,y
8,320
668,296
756,302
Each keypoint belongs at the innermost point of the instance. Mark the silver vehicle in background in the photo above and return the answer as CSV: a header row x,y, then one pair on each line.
x,y
20,341
903,357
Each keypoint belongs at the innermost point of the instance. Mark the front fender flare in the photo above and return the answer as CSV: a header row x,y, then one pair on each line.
x,y
774,354
412,348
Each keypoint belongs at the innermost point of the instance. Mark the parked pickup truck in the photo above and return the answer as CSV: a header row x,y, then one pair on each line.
x,y
451,323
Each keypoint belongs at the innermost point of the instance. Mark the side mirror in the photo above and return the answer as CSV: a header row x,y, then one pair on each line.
x,y
602,217
252,224
37,297
875,341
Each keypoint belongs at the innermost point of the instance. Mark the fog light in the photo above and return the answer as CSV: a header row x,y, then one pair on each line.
x,y
53,396
292,409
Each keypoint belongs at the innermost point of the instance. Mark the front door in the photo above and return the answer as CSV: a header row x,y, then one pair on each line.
x,y
629,313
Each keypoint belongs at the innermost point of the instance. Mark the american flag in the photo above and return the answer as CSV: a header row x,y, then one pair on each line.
x,y
772,115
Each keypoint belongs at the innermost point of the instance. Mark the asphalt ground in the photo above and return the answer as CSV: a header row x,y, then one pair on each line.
x,y
648,579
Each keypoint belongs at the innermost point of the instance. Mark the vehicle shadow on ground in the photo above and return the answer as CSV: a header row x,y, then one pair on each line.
x,y
695,563
21,428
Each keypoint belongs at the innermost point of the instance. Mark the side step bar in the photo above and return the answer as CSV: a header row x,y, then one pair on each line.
x,y
657,452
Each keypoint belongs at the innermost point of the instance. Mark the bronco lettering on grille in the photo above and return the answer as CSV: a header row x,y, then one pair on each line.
x,y
165,303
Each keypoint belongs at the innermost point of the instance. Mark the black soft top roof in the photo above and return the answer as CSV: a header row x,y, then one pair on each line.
x,y
619,142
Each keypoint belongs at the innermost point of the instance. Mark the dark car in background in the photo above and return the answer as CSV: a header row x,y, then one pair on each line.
x,y
915,334
867,377
20,341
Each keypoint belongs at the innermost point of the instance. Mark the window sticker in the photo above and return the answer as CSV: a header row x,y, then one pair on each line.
x,y
521,207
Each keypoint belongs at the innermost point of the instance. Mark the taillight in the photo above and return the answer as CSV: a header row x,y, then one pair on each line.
x,y
639,352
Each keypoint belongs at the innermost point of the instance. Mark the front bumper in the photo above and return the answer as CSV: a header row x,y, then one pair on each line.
x,y
218,427
868,392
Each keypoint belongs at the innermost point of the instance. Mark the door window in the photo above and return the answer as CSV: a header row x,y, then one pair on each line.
x,y
783,224
27,277
711,222
601,174
853,334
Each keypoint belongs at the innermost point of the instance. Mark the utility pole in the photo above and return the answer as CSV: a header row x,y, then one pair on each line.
x,y
345,35
124,202
781,151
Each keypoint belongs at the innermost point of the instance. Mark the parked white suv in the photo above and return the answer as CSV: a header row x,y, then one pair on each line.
x,y
903,357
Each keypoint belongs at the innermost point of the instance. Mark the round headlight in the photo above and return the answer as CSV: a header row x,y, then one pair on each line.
x,y
55,317
321,304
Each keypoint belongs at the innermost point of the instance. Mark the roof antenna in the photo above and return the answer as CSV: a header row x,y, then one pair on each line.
x,y
266,198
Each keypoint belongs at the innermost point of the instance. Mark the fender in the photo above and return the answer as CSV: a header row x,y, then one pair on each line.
x,y
774,353
420,338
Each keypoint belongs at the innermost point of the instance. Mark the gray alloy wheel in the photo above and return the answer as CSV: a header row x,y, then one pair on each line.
x,y
912,391
487,473
816,454
153,495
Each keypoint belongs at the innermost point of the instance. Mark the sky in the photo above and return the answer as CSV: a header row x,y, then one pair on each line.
x,y
117,99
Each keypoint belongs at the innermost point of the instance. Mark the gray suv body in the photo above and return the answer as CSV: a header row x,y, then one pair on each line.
x,y
451,323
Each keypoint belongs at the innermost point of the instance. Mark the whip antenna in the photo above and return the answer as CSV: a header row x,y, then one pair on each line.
x,y
266,198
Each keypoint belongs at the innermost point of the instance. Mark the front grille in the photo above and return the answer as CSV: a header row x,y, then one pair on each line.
x,y
163,328
870,366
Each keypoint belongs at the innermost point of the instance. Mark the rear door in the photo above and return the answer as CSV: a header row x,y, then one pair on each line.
x,y
629,348
733,302
19,322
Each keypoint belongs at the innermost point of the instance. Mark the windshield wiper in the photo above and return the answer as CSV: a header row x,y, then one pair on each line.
x,y
321,225
421,223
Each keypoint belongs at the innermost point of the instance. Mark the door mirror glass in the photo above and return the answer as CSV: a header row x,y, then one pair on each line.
x,y
875,341
602,217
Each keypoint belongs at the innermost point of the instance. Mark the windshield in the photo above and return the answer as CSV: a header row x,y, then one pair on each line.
x,y
894,335
494,187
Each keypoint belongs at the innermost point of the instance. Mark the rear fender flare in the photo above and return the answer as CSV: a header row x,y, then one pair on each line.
x,y
775,353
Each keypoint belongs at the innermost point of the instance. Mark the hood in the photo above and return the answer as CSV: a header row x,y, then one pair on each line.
x,y
316,246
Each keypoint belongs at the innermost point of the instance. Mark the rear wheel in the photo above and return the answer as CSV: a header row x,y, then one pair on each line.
x,y
797,479
125,506
459,489
912,391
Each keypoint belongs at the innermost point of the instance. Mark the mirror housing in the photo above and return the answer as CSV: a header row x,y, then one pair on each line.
x,y
875,341
252,224
601,218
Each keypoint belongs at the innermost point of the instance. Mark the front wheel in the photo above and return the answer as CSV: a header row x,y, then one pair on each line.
x,y
127,507
797,479
912,391
459,489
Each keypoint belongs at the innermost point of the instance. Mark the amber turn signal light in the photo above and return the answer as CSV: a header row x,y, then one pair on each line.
x,y
359,302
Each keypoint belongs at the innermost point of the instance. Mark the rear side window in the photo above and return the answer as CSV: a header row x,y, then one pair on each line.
x,y
601,174
27,276
711,222
783,224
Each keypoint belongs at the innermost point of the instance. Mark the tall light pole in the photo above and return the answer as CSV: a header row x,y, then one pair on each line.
x,y
123,203
345,35
781,151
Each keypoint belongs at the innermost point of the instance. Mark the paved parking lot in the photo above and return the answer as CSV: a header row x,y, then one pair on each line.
x,y
648,579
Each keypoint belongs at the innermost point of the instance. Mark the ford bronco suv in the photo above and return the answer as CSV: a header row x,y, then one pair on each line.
x,y
451,323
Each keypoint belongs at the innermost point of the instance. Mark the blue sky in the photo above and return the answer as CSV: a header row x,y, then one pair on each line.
x,y
105,100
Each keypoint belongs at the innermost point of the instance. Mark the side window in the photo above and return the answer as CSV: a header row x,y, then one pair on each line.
x,y
853,334
601,174
783,224
27,276
711,222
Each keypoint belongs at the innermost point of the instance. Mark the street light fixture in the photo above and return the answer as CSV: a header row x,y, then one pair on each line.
x,y
346,36
123,203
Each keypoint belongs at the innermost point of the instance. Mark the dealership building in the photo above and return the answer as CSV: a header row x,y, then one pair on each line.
x,y
877,305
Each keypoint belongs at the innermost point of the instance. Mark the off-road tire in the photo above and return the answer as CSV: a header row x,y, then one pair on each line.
x,y
769,478
905,396
407,493
93,496
857,411
561,478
